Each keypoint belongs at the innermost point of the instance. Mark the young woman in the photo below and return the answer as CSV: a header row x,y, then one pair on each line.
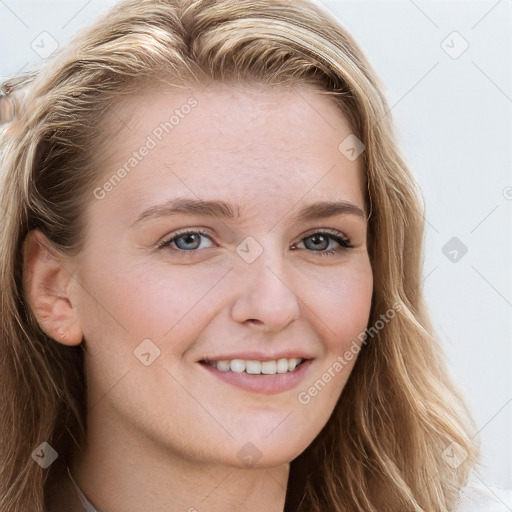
x,y
211,276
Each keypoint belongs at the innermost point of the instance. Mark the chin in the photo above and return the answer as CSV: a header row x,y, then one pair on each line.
x,y
263,449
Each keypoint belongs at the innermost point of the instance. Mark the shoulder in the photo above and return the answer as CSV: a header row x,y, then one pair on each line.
x,y
478,497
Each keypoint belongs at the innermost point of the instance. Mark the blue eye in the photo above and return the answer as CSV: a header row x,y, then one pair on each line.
x,y
320,238
190,240
185,240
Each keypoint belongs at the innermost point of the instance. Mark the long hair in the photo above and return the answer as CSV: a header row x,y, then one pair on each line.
x,y
382,448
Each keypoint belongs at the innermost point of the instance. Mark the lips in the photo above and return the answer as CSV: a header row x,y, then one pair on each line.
x,y
261,383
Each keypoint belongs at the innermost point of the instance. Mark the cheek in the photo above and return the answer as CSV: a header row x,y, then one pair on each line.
x,y
121,305
128,303
342,304
342,307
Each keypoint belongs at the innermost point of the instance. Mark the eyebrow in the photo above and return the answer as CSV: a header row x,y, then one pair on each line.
x,y
223,210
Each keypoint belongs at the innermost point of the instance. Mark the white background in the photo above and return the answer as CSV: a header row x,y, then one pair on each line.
x,y
453,117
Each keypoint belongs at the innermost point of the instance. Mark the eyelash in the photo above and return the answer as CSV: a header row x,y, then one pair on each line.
x,y
334,235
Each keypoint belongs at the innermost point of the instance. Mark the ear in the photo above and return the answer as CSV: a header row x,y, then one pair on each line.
x,y
46,285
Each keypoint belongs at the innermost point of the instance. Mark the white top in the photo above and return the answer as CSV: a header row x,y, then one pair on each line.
x,y
478,497
87,505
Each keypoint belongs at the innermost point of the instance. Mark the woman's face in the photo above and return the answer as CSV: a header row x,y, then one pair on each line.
x,y
264,275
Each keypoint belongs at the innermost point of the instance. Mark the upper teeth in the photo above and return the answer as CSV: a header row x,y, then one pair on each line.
x,y
257,367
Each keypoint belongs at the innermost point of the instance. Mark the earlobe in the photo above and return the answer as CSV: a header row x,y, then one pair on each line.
x,y
46,287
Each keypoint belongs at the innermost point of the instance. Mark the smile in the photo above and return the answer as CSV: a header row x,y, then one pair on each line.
x,y
255,367
264,377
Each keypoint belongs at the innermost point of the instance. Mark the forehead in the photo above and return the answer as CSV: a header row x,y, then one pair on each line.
x,y
230,141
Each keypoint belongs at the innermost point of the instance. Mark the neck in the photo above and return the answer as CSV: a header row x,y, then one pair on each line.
x,y
116,474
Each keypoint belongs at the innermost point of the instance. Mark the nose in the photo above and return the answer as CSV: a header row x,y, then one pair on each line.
x,y
266,297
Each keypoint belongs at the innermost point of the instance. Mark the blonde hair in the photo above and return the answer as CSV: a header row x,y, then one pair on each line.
x,y
382,447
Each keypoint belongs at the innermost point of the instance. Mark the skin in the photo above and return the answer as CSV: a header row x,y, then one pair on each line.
x,y
168,436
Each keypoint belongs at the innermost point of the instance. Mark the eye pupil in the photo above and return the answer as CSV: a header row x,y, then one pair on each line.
x,y
190,239
317,239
